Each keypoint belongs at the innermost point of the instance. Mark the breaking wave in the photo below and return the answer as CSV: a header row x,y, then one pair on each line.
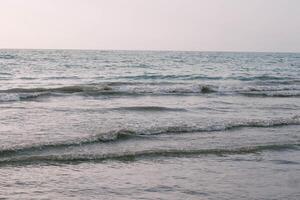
x,y
131,156
127,133
138,88
122,89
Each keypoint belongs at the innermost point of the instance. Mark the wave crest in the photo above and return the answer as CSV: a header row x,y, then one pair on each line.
x,y
73,158
122,134
162,88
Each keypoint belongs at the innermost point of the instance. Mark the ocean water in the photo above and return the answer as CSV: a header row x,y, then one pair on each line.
x,y
149,125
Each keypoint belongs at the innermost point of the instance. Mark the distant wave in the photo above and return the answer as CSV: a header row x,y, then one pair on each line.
x,y
122,134
131,156
272,94
148,108
174,77
5,74
139,88
7,56
122,89
66,89
62,77
261,78
7,97
207,77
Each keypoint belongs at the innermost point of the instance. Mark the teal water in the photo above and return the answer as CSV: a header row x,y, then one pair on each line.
x,y
149,125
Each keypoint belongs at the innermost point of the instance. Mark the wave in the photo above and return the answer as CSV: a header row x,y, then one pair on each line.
x,y
149,108
140,88
7,97
122,134
66,89
285,82
261,78
120,88
272,94
172,77
115,89
131,156
7,56
5,74
245,78
19,94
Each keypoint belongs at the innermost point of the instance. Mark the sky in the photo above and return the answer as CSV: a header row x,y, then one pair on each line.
x,y
188,25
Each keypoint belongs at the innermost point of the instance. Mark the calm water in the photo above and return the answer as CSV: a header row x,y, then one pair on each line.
x,y
149,125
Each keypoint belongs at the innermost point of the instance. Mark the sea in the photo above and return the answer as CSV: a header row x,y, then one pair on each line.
x,y
87,124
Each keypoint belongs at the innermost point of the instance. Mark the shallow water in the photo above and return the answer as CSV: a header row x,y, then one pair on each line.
x,y
149,125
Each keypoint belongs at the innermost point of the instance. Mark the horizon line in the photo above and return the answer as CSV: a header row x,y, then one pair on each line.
x,y
150,50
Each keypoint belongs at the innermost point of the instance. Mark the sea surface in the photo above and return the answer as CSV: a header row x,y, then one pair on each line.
x,y
149,125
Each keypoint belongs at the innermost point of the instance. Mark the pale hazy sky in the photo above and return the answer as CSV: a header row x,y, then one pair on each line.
x,y
205,25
